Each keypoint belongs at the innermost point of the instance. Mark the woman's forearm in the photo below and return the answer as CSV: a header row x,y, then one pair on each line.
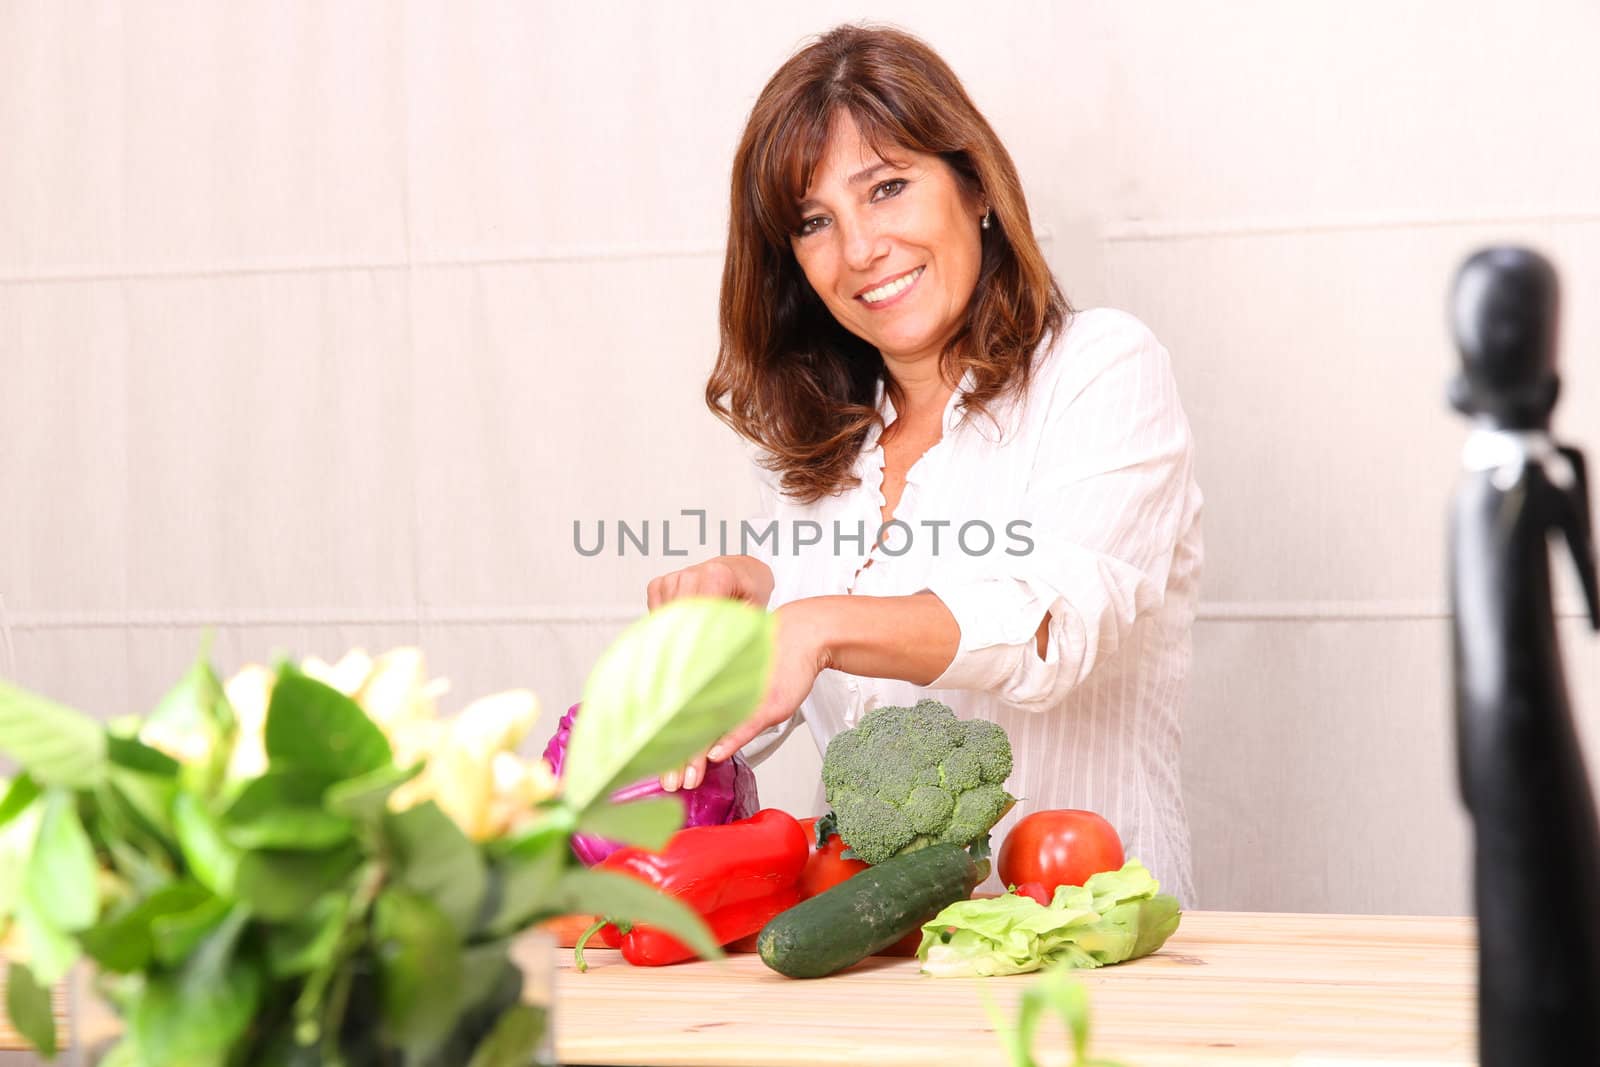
x,y
913,638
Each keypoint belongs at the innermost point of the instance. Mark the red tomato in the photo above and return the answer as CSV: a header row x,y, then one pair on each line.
x,y
825,868
1058,848
1037,891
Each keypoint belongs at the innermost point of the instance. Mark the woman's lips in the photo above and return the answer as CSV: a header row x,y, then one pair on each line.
x,y
901,295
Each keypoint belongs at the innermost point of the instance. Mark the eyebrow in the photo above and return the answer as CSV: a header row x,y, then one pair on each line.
x,y
855,179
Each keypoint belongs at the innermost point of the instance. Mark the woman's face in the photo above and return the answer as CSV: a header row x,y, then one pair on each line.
x,y
892,251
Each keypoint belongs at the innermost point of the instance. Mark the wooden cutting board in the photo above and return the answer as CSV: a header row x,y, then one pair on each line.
x,y
1228,988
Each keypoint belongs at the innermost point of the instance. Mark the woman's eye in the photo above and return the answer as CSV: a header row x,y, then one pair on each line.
x,y
899,184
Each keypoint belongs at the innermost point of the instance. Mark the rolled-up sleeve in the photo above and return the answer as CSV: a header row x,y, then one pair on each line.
x,y
1105,503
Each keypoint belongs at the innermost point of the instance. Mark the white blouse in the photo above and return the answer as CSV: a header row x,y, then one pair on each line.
x,y
1082,503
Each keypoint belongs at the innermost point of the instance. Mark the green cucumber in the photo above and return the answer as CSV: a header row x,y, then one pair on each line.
x,y
867,912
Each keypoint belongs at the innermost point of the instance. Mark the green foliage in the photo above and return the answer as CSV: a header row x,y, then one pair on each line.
x,y
292,917
1053,992
419,968
671,684
28,1008
433,858
907,777
647,823
54,744
315,728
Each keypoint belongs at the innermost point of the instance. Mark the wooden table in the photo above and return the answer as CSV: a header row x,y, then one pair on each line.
x,y
1228,988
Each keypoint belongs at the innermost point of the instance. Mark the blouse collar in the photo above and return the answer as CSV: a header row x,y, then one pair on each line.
x,y
952,409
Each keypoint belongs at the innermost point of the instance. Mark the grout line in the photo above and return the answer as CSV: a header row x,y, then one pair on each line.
x,y
1136,230
536,614
180,272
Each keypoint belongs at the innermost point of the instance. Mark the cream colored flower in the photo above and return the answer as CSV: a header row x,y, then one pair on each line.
x,y
396,689
470,766
496,723
185,746
250,693
474,774
347,676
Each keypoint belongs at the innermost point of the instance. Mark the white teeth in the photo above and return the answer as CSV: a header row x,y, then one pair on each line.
x,y
895,287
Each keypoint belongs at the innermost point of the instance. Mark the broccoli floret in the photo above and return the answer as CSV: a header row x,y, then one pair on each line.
x,y
903,778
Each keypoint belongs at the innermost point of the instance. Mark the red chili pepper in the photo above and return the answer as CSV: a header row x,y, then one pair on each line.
x,y
648,946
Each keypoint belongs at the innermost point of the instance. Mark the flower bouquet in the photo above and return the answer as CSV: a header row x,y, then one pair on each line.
x,y
309,866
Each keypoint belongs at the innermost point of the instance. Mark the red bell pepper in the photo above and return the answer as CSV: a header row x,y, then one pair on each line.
x,y
729,874
646,946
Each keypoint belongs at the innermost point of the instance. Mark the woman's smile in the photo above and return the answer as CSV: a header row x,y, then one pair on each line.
x,y
892,293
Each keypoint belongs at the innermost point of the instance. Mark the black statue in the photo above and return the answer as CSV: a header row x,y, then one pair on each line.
x,y
1537,846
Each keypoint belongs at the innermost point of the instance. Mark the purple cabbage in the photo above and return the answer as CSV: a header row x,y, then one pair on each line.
x,y
727,794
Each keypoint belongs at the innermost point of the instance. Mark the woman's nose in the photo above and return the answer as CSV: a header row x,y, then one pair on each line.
x,y
862,243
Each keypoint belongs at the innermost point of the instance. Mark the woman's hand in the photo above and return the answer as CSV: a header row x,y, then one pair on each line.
x,y
800,654
736,577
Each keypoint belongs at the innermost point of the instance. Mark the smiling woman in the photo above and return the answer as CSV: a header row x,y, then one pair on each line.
x,y
863,160
895,346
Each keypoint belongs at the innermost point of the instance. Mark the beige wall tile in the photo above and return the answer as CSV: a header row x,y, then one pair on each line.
x,y
63,447
550,394
1313,368
270,448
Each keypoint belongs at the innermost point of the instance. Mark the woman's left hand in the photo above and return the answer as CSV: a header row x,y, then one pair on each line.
x,y
801,653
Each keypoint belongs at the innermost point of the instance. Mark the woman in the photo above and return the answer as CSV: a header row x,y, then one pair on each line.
x,y
895,346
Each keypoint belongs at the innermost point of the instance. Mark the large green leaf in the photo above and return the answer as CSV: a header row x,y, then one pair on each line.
x,y
598,892
365,798
51,951
135,755
16,796
314,727
674,682
28,1008
16,845
210,858
193,1015
279,885
62,874
198,705
124,942
647,823
434,859
419,968
283,809
53,743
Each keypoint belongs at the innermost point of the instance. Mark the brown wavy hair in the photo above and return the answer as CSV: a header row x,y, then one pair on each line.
x,y
788,377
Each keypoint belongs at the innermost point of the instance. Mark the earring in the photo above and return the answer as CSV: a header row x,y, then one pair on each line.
x,y
986,215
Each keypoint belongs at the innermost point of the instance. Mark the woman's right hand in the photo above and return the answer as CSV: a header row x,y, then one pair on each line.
x,y
737,577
